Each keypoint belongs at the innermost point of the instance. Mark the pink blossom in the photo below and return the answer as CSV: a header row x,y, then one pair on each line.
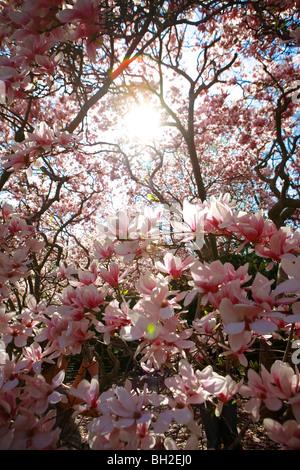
x,y
118,227
18,225
191,444
207,278
206,324
287,433
174,265
291,265
111,275
141,326
287,384
122,408
194,387
20,159
109,441
227,393
48,65
7,210
211,280
263,296
14,267
84,10
88,392
104,251
65,272
38,394
42,137
253,227
86,277
192,226
83,297
260,389
162,341
35,308
284,377
188,387
134,249
242,317
160,304
86,14
54,326
278,244
17,333
36,356
34,433
219,216
77,333
115,318
45,137
245,342
148,281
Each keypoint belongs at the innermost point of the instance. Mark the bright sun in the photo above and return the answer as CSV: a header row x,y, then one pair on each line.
x,y
143,122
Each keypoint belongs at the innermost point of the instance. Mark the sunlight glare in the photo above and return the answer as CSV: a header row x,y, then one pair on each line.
x,y
143,122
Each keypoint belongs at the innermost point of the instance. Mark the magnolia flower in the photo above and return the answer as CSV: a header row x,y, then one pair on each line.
x,y
228,391
86,277
72,339
253,227
120,408
65,272
216,280
111,275
85,17
192,226
189,387
109,441
174,265
34,433
7,210
81,298
287,433
291,265
287,384
88,392
261,390
17,333
191,444
104,251
245,343
278,244
206,324
239,318
194,387
162,342
119,227
134,249
148,281
142,327
262,294
219,216
115,318
38,394
162,302
36,356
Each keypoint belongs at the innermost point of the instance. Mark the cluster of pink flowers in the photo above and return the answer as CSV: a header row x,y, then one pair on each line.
x,y
28,154
94,305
